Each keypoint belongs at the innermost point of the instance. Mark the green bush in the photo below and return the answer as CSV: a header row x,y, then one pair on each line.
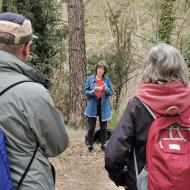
x,y
114,120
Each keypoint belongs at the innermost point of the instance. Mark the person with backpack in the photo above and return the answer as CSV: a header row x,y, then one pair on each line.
x,y
98,89
151,140
33,128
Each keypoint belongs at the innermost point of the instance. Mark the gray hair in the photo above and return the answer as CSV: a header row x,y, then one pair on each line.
x,y
14,49
164,63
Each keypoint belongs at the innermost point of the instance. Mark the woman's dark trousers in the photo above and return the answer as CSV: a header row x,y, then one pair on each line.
x,y
92,125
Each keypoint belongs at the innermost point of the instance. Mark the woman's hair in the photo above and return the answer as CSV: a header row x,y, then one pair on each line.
x,y
101,63
164,63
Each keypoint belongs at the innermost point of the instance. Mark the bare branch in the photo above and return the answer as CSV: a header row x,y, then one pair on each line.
x,y
181,18
115,22
108,23
128,79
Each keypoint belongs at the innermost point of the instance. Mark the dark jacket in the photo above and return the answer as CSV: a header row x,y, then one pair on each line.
x,y
131,130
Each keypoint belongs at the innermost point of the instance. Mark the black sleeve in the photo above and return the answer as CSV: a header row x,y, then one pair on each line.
x,y
119,146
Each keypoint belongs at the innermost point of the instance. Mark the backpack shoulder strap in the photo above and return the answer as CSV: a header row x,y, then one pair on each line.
x,y
28,167
134,154
12,85
148,109
135,163
33,156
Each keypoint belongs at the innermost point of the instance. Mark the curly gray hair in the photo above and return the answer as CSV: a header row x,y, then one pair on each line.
x,y
164,63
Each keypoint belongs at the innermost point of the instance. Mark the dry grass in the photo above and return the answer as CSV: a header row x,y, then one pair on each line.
x,y
78,170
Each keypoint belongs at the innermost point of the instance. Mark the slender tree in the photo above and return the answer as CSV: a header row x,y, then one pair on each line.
x,y
77,57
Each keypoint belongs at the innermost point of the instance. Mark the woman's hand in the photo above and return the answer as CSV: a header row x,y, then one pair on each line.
x,y
104,87
96,88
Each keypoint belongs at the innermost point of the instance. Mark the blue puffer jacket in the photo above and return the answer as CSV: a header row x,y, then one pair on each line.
x,y
91,108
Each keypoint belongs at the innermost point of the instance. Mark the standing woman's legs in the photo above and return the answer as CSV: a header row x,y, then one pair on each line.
x,y
103,127
90,134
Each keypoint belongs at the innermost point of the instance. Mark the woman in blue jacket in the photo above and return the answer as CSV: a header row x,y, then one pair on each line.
x,y
98,89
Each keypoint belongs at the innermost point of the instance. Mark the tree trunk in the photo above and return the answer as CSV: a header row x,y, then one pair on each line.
x,y
117,97
77,59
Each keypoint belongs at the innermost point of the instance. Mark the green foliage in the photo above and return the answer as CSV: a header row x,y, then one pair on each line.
x,y
92,60
60,92
114,120
166,20
48,25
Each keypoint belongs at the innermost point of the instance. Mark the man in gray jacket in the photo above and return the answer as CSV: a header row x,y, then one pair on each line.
x,y
27,113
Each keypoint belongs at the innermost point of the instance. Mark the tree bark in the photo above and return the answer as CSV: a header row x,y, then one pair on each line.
x,y
77,58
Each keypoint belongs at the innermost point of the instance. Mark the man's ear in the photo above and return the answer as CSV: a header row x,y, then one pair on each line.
x,y
26,50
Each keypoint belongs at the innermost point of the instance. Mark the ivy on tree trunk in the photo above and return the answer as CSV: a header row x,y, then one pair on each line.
x,y
167,20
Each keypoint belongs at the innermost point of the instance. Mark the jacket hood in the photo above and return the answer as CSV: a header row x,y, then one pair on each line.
x,y
10,63
160,97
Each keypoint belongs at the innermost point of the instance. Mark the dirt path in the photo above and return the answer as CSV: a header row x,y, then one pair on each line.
x,y
78,170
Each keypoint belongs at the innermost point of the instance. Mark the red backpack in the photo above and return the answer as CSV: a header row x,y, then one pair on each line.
x,y
168,151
